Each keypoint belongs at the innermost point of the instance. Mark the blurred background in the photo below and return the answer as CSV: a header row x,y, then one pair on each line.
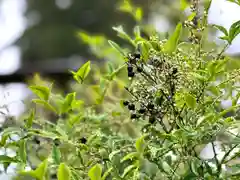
x,y
41,37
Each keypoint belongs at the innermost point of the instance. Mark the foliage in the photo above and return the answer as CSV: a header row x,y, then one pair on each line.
x,y
170,110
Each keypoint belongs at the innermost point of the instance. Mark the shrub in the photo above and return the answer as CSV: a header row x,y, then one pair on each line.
x,y
172,111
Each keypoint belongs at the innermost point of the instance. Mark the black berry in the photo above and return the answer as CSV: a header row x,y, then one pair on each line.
x,y
150,106
54,176
174,71
125,103
131,107
137,55
56,142
83,140
37,141
130,68
142,110
152,119
133,116
131,74
139,69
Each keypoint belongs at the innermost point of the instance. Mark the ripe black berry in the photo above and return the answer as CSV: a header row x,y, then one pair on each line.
x,y
174,71
131,107
133,116
37,141
130,68
150,106
83,140
131,74
137,55
54,176
56,142
152,119
125,103
142,110
139,69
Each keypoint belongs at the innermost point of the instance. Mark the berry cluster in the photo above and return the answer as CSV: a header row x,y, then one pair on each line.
x,y
154,88
133,62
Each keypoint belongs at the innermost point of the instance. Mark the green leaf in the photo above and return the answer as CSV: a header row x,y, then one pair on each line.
x,y
7,132
5,166
138,14
166,167
148,167
205,119
110,67
235,1
42,133
192,16
130,156
183,4
126,6
128,169
145,49
39,173
172,42
45,104
199,77
64,172
41,91
222,29
95,172
234,31
29,120
137,32
140,145
7,159
116,47
67,104
112,154
22,151
190,101
56,155
195,164
107,173
82,72
122,34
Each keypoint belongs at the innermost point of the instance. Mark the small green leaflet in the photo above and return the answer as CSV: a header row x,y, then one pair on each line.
x,y
45,104
82,72
95,172
122,34
235,1
128,169
183,4
29,120
22,151
234,31
56,154
140,145
39,173
190,101
7,159
67,104
42,92
138,14
105,175
130,156
116,47
172,42
137,32
64,172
